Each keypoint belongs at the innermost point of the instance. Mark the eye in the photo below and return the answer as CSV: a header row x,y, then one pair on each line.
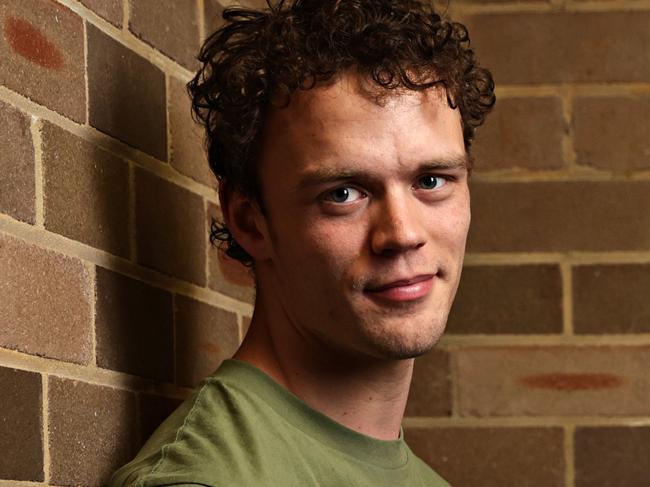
x,y
344,194
431,182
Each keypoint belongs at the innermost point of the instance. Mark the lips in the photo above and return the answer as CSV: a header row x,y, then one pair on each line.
x,y
400,283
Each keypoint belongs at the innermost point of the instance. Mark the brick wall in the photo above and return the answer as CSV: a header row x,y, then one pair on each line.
x,y
113,305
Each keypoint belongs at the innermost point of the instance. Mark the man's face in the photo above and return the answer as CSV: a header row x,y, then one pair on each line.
x,y
359,196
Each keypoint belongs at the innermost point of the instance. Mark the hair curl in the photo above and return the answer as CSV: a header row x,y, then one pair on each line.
x,y
258,59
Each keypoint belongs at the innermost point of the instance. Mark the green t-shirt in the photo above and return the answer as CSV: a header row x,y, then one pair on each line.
x,y
241,428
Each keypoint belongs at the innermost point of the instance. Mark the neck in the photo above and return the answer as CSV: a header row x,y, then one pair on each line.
x,y
365,394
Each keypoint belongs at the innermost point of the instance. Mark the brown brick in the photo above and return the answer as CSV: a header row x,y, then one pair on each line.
x,y
523,299
86,191
560,216
213,20
553,381
612,132
170,228
430,393
174,29
17,163
93,431
133,327
612,456
153,411
126,95
45,302
521,133
42,52
492,457
227,275
187,153
205,336
562,47
21,423
611,298
111,10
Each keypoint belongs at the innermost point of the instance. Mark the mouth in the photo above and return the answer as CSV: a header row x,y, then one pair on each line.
x,y
401,290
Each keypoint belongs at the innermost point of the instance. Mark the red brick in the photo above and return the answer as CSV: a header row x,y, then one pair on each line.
x,y
612,456
21,424
521,133
205,336
133,327
174,30
153,411
227,275
560,216
110,10
45,302
43,55
611,298
553,381
170,230
562,47
524,299
430,393
93,431
492,457
126,95
86,191
612,132
187,153
17,163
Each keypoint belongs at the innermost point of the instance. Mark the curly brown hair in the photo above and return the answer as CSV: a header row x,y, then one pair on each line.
x,y
257,59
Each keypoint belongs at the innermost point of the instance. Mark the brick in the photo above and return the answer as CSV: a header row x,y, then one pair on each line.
x,y
133,327
430,393
492,457
560,216
170,230
612,132
553,381
153,411
187,153
42,52
21,423
205,336
126,95
521,133
174,30
110,10
524,299
227,275
92,429
45,302
612,456
562,47
17,163
86,191
611,298
212,15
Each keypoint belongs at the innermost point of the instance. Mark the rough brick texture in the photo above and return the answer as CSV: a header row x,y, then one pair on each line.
x,y
430,393
523,299
562,47
42,52
170,228
559,216
612,456
492,457
110,10
126,95
133,326
45,302
521,133
93,430
21,425
612,132
17,163
611,298
86,191
553,381
205,336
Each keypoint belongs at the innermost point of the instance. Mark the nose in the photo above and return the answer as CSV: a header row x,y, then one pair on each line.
x,y
397,225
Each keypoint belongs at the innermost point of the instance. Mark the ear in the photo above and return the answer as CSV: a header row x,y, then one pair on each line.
x,y
246,222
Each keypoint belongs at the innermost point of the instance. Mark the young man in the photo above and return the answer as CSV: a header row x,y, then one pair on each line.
x,y
339,130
